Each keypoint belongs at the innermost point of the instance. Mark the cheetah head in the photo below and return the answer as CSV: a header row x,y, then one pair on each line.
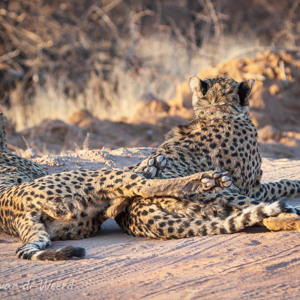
x,y
220,94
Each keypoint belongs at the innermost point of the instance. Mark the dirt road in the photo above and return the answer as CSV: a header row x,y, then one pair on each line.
x,y
254,264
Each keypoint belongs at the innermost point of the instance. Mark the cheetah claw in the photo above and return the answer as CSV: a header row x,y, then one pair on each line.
x,y
155,165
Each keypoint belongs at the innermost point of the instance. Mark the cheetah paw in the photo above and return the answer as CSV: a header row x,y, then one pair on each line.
x,y
216,181
155,165
283,222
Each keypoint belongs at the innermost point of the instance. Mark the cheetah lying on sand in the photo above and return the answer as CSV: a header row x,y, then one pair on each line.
x,y
220,138
39,208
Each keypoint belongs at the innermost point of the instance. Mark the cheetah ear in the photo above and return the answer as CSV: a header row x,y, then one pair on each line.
x,y
198,85
245,89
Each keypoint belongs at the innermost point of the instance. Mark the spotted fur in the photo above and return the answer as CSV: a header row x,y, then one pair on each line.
x,y
220,138
39,208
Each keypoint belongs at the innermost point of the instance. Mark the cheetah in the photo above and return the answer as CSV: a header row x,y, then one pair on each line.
x,y
220,138
38,208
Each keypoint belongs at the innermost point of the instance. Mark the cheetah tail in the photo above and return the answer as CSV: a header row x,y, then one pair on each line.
x,y
30,252
249,216
190,227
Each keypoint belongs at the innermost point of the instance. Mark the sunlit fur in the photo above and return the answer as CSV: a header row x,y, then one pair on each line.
x,y
222,94
220,138
38,208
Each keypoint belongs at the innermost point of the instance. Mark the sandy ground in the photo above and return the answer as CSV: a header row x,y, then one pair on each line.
x,y
254,264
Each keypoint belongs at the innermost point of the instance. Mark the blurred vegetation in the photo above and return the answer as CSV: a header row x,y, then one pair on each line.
x,y
103,55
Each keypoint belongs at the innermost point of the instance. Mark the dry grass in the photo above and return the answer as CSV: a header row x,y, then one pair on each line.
x,y
58,57
113,99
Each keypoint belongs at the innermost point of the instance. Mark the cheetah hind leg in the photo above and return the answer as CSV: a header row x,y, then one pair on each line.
x,y
218,182
153,167
203,182
210,181
36,240
284,222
